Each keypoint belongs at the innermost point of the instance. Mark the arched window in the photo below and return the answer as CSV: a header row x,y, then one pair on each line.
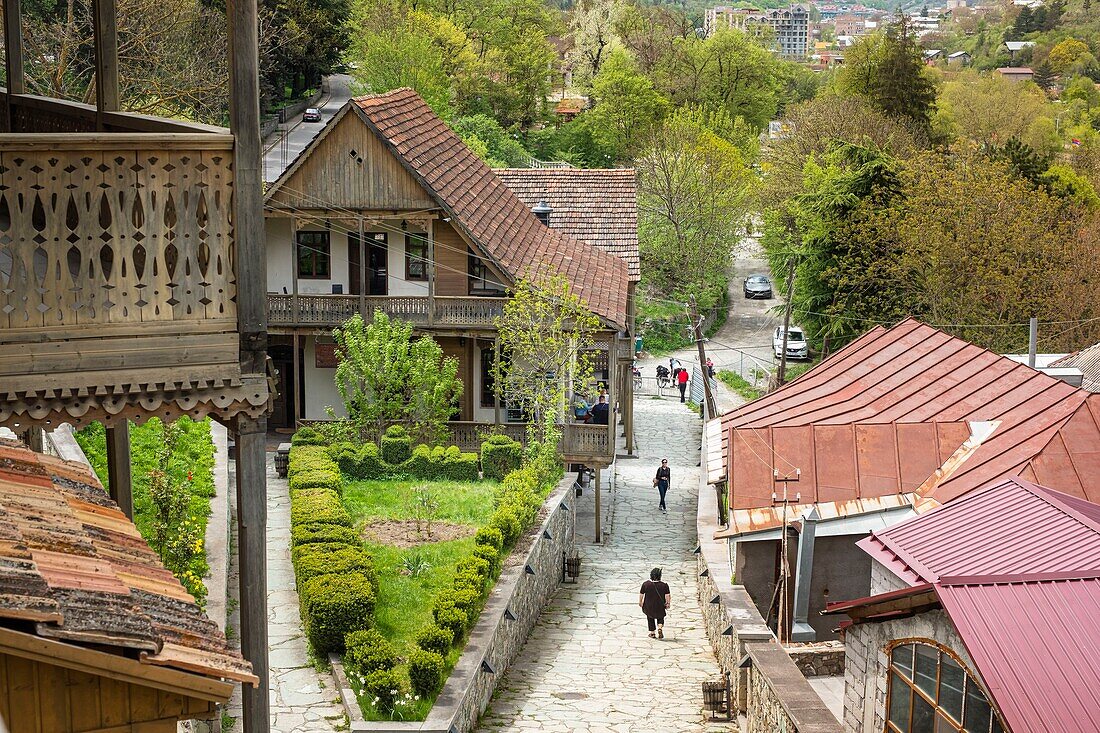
x,y
929,691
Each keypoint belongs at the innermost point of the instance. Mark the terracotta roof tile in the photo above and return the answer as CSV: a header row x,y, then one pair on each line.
x,y
484,207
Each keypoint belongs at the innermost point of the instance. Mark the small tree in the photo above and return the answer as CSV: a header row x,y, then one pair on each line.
x,y
384,376
544,331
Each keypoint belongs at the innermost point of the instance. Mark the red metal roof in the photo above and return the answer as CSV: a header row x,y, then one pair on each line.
x,y
1047,431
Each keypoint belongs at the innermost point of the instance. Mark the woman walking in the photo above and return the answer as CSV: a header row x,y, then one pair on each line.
x,y
661,481
654,599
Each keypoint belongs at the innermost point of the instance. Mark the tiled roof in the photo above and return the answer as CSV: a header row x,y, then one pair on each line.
x,y
1043,429
485,209
595,205
1087,361
75,566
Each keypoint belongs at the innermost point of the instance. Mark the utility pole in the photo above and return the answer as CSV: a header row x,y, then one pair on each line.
x,y
781,376
1032,341
711,408
784,565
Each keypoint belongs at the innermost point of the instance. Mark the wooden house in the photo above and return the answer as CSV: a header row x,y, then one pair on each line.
x,y
95,634
388,209
131,280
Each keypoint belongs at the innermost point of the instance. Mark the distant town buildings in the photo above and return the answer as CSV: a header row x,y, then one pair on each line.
x,y
791,25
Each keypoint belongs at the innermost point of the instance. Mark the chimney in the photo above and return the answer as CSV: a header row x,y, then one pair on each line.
x,y
542,211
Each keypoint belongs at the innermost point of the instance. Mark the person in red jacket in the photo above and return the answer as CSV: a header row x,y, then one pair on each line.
x,y
682,382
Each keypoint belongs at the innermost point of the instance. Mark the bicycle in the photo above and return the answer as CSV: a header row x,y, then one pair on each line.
x,y
637,379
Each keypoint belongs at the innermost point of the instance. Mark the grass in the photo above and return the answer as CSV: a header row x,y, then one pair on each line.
x,y
739,384
194,457
404,604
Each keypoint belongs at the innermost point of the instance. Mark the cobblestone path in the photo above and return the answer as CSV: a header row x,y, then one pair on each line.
x,y
589,665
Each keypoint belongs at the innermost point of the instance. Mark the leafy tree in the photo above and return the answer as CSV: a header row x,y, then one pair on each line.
x,y
545,330
626,104
1024,160
989,110
1070,186
1066,54
320,35
384,376
502,149
592,30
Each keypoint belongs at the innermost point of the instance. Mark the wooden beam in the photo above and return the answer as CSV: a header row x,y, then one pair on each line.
x,y
13,44
431,272
105,23
296,388
119,480
252,564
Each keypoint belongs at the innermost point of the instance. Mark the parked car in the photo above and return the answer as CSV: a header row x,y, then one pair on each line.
x,y
758,286
312,115
797,348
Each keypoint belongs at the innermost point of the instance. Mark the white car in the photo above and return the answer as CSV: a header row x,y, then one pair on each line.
x,y
797,348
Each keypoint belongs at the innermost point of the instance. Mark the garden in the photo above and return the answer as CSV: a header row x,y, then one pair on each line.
x,y
395,549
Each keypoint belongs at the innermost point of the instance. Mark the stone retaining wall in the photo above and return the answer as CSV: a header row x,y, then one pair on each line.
x,y
769,688
523,589
819,659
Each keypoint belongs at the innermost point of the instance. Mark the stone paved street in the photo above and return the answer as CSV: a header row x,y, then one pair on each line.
x,y
301,699
588,665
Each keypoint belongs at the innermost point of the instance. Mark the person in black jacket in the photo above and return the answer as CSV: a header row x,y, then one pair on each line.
x,y
655,599
662,481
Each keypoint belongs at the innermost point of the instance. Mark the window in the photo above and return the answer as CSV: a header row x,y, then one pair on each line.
x,y
482,280
313,255
416,257
928,691
488,396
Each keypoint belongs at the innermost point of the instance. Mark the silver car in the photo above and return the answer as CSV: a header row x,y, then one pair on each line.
x,y
758,286
797,347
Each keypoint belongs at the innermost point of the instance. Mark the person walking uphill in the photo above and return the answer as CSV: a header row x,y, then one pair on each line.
x,y
682,382
662,481
655,599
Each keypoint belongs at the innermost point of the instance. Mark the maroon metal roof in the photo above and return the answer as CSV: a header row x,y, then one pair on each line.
x,y
1011,527
1047,432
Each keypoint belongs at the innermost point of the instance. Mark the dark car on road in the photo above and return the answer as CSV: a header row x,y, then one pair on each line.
x,y
312,115
758,286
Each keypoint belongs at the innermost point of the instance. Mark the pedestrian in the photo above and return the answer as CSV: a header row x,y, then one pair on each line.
x,y
662,481
682,383
710,367
655,599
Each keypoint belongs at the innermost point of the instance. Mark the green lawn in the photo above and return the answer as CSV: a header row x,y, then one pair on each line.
x,y
404,604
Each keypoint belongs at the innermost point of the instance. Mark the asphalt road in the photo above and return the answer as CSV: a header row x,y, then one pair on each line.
x,y
282,151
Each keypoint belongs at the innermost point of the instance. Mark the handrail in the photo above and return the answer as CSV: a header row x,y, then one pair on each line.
x,y
332,310
113,121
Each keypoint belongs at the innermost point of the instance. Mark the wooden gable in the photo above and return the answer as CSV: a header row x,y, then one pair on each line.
x,y
347,167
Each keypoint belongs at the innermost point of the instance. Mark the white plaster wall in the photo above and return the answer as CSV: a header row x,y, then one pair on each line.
x,y
338,267
320,389
280,255
395,262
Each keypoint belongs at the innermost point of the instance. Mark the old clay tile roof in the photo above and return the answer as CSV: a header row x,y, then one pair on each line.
x,y
485,209
595,205
73,563
1046,430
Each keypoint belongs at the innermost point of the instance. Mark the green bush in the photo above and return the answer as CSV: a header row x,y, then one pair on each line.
x,y
363,462
436,639
308,436
333,606
450,617
309,534
327,559
420,464
384,687
490,537
491,556
466,599
296,553
500,455
426,672
318,506
505,521
476,564
396,445
320,479
471,578
308,458
368,651
458,466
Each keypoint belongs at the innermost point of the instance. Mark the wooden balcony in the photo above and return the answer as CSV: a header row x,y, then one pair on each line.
x,y
329,311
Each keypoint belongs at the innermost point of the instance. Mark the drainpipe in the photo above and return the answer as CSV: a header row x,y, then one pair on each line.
x,y
800,627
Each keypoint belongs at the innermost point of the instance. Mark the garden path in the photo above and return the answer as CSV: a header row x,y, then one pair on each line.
x,y
589,665
301,699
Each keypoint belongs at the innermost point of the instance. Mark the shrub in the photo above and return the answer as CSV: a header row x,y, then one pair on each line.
x,y
296,553
491,556
333,606
317,479
309,534
476,564
426,672
318,506
500,455
450,617
490,537
471,579
396,445
368,651
326,559
458,466
420,463
384,688
505,521
308,436
363,462
436,639
466,600
308,458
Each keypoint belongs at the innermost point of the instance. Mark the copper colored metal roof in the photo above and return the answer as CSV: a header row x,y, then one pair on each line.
x,y
71,562
1044,430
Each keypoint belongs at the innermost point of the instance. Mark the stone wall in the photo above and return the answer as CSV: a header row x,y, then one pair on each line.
x,y
523,589
866,663
818,659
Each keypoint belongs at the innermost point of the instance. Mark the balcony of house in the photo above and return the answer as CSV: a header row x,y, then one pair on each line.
x,y
118,274
329,311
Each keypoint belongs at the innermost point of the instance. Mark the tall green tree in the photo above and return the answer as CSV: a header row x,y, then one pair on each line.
x,y
888,70
627,105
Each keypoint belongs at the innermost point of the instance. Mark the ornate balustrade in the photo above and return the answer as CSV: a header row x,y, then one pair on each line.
x,y
34,114
332,310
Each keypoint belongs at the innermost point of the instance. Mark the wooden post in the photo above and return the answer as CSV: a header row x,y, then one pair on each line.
x,y
596,485
119,481
296,388
496,375
295,312
363,272
252,562
105,23
35,438
612,393
13,57
711,410
431,272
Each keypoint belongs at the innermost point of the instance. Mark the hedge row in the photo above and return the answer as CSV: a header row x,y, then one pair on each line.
x,y
336,578
367,462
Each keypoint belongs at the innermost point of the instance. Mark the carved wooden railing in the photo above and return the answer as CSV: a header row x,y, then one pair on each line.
x,y
34,114
332,310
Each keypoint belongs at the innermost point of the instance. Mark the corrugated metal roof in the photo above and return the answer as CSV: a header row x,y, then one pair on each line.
x,y
747,521
71,561
1046,431
1087,361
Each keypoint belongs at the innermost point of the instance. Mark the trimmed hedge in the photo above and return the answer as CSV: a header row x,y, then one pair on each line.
x,y
313,533
500,455
450,617
490,555
366,462
426,672
318,506
308,458
317,479
308,436
490,537
385,686
368,651
328,559
396,445
436,639
334,606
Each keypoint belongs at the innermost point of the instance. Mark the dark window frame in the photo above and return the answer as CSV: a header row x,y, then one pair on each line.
x,y
418,242
317,253
488,373
906,680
